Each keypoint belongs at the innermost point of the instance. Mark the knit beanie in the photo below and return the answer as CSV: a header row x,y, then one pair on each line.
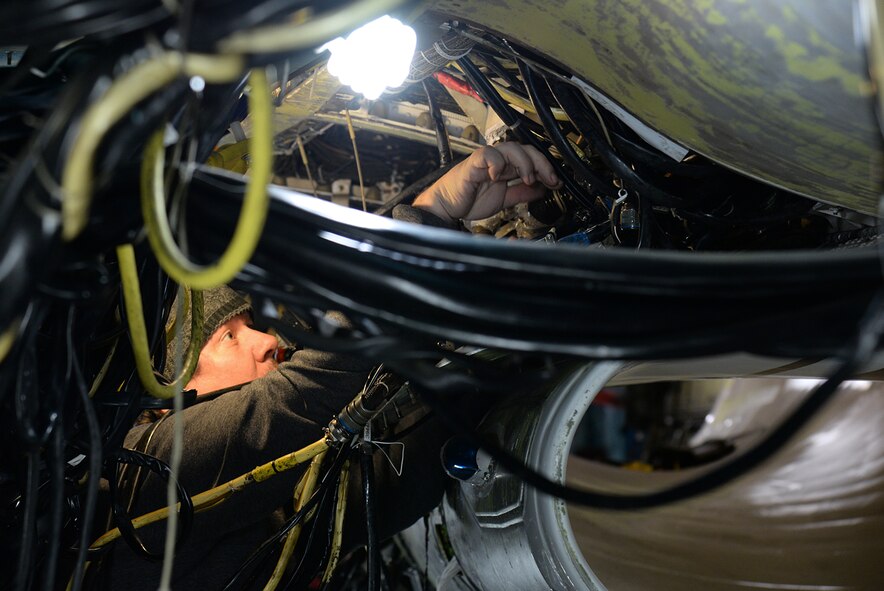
x,y
219,305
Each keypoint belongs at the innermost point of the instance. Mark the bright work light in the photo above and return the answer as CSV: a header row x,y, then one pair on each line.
x,y
373,57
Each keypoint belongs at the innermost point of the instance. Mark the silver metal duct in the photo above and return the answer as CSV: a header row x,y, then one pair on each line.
x,y
811,518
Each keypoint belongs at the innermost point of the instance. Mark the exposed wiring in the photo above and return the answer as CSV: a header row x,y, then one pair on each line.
x,y
318,498
517,124
220,493
138,331
252,216
306,486
128,90
352,133
581,168
340,511
410,282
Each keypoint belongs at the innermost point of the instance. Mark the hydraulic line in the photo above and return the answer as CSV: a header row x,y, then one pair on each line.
x,y
559,139
516,123
567,97
442,142
252,216
509,93
138,331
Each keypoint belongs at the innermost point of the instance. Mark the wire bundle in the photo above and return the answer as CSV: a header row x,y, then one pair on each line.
x,y
530,297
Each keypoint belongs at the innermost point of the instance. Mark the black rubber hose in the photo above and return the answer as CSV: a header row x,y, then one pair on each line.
x,y
124,522
374,553
29,524
576,109
516,123
442,142
501,72
558,138
94,452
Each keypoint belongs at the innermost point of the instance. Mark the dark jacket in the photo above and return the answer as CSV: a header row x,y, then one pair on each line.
x,y
231,434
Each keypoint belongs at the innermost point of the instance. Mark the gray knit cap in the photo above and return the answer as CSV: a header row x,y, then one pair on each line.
x,y
219,305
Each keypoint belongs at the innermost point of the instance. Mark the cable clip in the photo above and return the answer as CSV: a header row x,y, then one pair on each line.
x,y
366,437
622,194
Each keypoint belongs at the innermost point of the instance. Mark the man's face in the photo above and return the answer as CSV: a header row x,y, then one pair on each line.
x,y
235,353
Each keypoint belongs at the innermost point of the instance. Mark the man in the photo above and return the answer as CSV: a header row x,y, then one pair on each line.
x,y
274,409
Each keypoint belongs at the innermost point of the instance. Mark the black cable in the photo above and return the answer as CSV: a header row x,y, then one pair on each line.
x,y
323,511
329,479
517,124
56,503
23,574
121,517
95,461
580,167
574,105
372,546
501,72
26,401
442,142
57,464
408,281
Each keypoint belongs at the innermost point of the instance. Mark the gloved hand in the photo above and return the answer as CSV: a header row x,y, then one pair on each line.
x,y
477,187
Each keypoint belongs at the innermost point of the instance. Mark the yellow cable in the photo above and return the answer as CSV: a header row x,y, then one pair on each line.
x,y
308,34
7,339
306,485
103,371
138,330
212,497
128,90
303,152
340,510
356,156
252,216
514,99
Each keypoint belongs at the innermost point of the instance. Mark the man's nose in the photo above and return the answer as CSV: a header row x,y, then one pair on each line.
x,y
263,344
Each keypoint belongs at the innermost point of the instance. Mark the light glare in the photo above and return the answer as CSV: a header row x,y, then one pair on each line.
x,y
374,57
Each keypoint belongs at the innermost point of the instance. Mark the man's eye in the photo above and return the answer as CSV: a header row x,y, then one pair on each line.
x,y
227,336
